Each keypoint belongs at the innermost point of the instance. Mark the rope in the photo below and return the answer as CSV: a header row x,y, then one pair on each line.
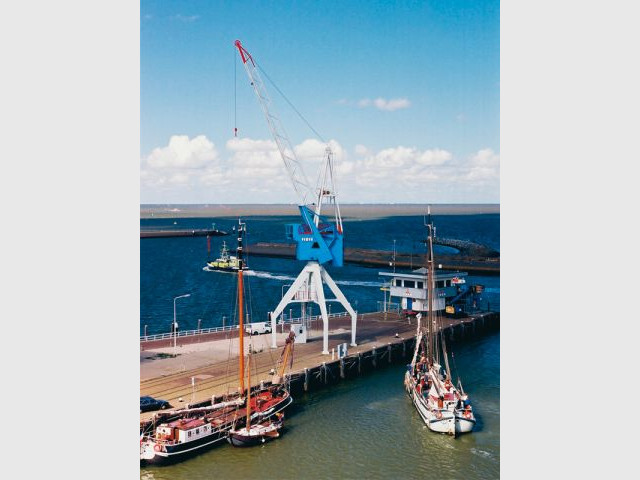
x,y
235,103
291,104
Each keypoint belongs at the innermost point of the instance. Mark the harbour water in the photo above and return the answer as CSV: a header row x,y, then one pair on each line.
x,y
368,428
362,428
174,266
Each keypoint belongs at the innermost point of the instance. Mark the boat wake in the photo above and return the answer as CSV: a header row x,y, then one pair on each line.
x,y
288,278
207,269
270,276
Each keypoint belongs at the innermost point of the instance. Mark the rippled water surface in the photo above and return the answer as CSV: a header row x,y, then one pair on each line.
x,y
368,428
363,428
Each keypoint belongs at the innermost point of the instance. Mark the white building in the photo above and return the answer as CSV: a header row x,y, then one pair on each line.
x,y
410,289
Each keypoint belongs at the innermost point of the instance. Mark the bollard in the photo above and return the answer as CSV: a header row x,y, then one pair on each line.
x,y
324,368
306,379
342,368
373,352
333,356
389,350
359,361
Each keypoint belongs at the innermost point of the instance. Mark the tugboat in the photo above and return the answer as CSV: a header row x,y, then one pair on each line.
x,y
226,262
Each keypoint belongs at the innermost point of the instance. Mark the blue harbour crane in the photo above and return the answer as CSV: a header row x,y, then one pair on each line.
x,y
319,236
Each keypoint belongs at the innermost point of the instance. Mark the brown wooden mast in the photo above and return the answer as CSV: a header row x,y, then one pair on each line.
x,y
248,392
430,284
241,227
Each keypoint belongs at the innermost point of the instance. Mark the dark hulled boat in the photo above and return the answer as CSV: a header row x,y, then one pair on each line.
x,y
181,433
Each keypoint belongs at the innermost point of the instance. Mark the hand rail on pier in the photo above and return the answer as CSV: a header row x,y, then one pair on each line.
x,y
226,328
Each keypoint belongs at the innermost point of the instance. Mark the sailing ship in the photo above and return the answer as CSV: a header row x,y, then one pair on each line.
x,y
226,262
254,434
174,435
443,407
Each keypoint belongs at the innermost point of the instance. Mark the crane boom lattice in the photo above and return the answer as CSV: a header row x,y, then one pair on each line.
x,y
318,239
292,164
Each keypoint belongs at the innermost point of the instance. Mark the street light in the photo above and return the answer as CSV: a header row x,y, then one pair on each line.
x,y
175,324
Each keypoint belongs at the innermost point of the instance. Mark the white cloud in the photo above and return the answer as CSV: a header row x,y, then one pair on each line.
x,y
384,104
179,178
361,150
434,157
186,18
484,166
251,170
486,158
391,105
183,153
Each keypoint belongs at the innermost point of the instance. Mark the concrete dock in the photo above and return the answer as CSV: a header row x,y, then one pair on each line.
x,y
469,261
181,233
210,360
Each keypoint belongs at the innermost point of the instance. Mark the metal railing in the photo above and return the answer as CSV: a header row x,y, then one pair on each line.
x,y
226,328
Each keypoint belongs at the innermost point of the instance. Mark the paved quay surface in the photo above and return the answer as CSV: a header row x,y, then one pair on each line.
x,y
213,363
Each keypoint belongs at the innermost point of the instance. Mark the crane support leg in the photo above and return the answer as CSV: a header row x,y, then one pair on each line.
x,y
286,300
308,287
343,301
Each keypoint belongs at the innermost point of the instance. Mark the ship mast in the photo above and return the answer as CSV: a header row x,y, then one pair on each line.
x,y
241,229
430,284
248,392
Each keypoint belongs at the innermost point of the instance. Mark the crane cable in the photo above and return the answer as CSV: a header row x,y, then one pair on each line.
x,y
235,103
290,104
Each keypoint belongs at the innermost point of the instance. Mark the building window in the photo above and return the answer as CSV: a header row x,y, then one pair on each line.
x,y
197,430
420,285
439,284
448,283
398,282
410,284
188,434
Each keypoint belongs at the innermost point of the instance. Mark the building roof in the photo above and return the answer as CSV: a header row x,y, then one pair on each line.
x,y
421,273
187,424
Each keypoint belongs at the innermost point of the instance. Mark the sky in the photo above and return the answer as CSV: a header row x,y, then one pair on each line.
x,y
407,94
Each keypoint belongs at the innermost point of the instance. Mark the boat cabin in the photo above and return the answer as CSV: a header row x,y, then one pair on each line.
x,y
411,288
184,430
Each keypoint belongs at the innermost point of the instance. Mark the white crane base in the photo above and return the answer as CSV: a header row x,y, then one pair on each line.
x,y
308,287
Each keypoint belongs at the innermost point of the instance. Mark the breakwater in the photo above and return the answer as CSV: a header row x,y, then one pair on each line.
x,y
489,265
181,233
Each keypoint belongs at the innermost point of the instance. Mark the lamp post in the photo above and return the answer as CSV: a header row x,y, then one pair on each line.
x,y
281,296
175,324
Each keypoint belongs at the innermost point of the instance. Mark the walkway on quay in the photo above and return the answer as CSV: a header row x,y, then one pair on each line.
x,y
211,362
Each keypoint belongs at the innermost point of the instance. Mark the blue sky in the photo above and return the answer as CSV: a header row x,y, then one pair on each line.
x,y
407,92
